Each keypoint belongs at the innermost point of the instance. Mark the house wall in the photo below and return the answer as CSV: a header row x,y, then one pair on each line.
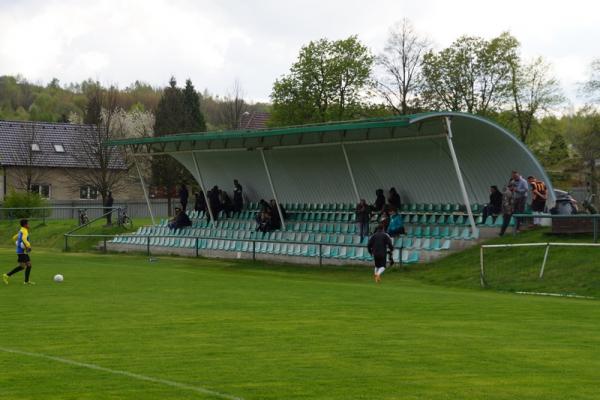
x,y
63,186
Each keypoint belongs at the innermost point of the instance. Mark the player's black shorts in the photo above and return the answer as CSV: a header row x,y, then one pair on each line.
x,y
379,261
23,258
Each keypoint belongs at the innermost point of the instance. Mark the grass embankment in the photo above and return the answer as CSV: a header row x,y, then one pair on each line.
x,y
253,331
50,235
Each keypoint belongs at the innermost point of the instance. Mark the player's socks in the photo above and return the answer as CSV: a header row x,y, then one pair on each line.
x,y
14,271
27,273
5,278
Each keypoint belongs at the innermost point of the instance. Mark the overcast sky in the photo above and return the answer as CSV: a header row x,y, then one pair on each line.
x,y
215,42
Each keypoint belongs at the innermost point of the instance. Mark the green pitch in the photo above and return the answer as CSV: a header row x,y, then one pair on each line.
x,y
120,327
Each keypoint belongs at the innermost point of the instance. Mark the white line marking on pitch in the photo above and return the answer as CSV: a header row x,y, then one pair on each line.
x,y
94,367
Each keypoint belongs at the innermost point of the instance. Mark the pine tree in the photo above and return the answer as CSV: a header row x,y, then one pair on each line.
x,y
194,120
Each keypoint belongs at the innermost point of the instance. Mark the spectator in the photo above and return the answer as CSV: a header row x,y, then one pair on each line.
x,y
539,195
200,203
396,226
183,196
363,217
507,207
108,204
494,207
264,206
264,222
394,199
378,246
181,220
379,201
276,221
520,189
226,203
214,202
238,197
384,220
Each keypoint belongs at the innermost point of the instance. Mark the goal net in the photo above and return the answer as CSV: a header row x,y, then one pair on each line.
x,y
555,269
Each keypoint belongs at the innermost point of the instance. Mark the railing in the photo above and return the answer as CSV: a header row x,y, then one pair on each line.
x,y
593,217
105,239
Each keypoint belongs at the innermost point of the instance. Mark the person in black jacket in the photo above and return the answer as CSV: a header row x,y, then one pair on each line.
x,y
200,203
214,202
394,199
379,205
181,220
183,196
108,204
494,207
238,197
363,217
379,245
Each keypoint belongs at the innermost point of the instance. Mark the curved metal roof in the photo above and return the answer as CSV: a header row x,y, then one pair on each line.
x,y
308,164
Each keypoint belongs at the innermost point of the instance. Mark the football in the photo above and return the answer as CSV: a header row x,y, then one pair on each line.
x,y
58,278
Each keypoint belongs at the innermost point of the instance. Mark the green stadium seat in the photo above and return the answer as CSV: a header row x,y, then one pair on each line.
x,y
398,242
277,248
312,251
284,248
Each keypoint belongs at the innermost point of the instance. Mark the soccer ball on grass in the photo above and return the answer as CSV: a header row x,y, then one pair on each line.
x,y
58,278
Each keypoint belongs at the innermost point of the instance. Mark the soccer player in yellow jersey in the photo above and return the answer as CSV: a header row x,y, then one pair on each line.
x,y
23,249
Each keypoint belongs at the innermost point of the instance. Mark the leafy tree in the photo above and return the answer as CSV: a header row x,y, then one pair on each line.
x,y
558,150
534,91
400,80
591,88
584,135
471,75
326,83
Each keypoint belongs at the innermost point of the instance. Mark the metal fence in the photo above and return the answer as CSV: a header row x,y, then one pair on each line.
x,y
593,217
70,209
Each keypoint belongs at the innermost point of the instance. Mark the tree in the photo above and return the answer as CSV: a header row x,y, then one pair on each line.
x,y
558,150
103,167
31,171
534,91
584,135
233,106
591,88
175,113
471,75
326,83
193,119
401,78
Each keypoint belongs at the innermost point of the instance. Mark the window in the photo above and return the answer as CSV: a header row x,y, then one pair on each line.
x,y
88,193
59,148
35,147
42,190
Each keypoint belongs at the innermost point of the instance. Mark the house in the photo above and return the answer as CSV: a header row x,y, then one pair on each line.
x,y
254,120
58,161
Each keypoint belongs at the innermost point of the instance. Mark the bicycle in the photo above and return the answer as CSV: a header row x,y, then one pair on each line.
x,y
83,217
123,219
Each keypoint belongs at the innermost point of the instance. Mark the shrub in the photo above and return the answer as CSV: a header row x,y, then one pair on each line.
x,y
25,202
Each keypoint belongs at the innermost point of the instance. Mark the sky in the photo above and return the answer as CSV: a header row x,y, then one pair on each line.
x,y
216,42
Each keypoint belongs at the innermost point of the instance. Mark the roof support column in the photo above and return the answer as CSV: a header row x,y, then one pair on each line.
x,y
201,182
351,173
461,182
144,189
262,154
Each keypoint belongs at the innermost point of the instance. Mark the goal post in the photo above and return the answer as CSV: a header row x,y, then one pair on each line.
x,y
540,275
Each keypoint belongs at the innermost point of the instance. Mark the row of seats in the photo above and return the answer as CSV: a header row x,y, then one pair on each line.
x,y
273,248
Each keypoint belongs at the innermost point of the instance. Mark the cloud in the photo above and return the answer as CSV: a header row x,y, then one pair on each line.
x,y
214,42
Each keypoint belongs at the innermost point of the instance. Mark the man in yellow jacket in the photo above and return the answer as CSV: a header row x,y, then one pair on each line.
x,y
23,248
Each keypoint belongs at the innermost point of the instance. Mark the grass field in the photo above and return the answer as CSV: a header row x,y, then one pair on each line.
x,y
120,327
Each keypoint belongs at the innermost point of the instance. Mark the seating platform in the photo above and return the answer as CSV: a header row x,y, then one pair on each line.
x,y
313,233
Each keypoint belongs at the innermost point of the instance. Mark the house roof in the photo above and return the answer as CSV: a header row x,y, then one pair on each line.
x,y
17,138
254,120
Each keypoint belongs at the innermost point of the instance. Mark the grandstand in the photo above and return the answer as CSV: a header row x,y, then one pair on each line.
x,y
441,163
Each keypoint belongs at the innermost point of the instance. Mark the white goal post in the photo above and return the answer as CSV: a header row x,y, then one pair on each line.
x,y
547,245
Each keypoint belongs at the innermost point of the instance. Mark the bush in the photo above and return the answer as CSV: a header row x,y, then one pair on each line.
x,y
25,202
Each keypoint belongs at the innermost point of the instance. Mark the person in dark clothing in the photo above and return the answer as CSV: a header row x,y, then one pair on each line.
x,y
507,207
394,199
264,206
108,204
200,203
214,202
363,217
183,196
494,207
264,222
379,205
181,220
238,196
379,245
226,203
275,216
